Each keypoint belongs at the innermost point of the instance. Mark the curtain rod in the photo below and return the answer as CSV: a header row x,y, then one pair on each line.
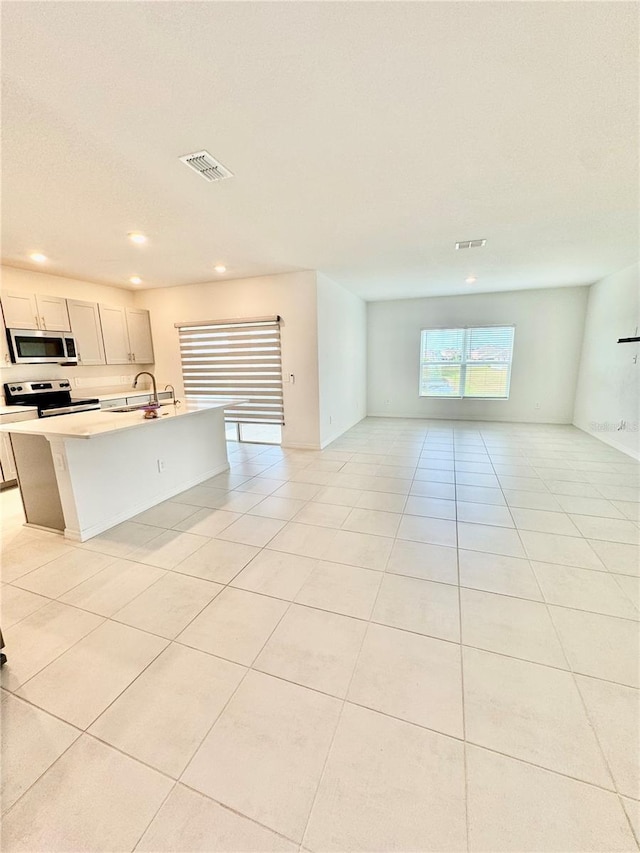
x,y
273,318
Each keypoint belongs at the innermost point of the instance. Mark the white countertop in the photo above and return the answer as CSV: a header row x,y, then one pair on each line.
x,y
96,423
16,410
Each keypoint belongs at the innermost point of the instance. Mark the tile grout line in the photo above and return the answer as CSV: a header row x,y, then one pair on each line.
x,y
367,628
175,568
574,680
45,771
218,716
584,707
594,730
85,731
464,716
343,704
248,669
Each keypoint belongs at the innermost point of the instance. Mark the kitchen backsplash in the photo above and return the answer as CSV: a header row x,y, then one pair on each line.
x,y
96,377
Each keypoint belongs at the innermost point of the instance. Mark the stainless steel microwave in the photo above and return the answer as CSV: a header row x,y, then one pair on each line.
x,y
29,346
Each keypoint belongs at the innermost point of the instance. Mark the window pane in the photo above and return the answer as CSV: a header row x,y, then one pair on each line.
x,y
487,380
261,433
440,380
490,344
472,362
440,345
231,432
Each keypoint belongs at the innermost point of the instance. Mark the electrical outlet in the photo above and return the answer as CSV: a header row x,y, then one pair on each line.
x,y
537,405
161,466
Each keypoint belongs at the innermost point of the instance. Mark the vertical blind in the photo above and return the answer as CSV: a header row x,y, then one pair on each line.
x,y
471,362
235,358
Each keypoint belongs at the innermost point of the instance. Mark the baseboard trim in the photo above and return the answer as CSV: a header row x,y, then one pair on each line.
x,y
611,442
89,532
298,446
413,416
336,435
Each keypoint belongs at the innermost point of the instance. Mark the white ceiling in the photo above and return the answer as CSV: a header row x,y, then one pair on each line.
x,y
365,138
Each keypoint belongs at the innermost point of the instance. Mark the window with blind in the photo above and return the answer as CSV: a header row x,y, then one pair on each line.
x,y
470,362
235,358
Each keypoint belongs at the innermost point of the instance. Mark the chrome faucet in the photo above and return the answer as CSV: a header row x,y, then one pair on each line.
x,y
173,394
153,382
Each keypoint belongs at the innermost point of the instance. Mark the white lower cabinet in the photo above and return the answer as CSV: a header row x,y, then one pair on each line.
x,y
6,459
7,462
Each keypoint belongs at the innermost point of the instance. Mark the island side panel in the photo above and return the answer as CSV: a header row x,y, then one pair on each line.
x,y
110,478
37,479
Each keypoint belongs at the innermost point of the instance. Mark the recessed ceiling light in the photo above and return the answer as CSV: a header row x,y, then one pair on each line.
x,y
136,237
471,279
220,268
135,279
38,257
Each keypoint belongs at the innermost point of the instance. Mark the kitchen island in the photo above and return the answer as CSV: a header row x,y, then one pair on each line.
x,y
83,473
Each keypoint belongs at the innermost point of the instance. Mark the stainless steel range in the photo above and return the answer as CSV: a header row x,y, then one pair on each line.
x,y
51,396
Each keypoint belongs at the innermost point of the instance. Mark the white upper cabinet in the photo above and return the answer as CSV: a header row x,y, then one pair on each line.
x,y
85,325
127,335
115,335
53,313
140,343
5,358
31,311
20,310
105,334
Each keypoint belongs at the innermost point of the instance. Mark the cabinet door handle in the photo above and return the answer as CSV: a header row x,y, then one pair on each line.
x,y
133,356
44,325
37,322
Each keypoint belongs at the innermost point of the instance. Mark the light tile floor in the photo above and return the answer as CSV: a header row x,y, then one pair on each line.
x,y
424,638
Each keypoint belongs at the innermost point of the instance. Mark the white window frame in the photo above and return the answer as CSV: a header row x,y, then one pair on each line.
x,y
465,361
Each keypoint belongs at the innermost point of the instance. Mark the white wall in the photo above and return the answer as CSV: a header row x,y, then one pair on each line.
x,y
97,377
292,296
548,337
607,391
342,358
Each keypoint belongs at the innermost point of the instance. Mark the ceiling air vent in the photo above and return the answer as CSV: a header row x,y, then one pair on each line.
x,y
470,244
204,164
